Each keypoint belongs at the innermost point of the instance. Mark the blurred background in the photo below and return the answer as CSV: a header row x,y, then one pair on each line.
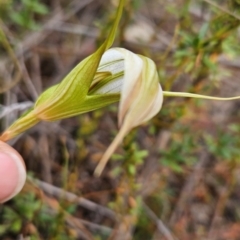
x,y
176,177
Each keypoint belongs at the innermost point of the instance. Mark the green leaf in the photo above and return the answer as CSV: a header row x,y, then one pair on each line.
x,y
17,18
203,31
40,9
66,98
4,228
132,169
16,225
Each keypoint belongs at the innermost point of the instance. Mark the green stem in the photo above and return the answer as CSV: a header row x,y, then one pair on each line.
x,y
192,95
21,125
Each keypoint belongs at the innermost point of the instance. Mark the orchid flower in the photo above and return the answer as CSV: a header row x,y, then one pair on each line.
x,y
105,77
136,79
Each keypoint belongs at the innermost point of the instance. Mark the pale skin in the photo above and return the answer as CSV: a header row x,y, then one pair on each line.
x,y
12,172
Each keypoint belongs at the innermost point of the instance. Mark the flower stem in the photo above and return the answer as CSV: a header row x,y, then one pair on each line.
x,y
192,95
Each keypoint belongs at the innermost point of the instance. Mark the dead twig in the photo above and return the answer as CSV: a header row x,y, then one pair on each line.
x,y
75,29
54,208
46,160
28,82
17,76
222,9
34,39
35,72
59,193
191,181
5,110
162,228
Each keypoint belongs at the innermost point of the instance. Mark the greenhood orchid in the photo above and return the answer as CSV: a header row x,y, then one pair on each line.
x,y
105,77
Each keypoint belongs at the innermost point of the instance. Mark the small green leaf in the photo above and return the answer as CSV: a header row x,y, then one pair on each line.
x,y
132,169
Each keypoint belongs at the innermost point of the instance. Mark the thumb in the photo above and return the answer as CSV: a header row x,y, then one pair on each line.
x,y
12,172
